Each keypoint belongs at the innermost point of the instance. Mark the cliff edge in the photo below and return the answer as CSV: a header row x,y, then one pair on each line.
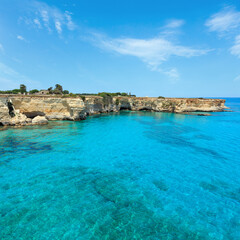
x,y
23,110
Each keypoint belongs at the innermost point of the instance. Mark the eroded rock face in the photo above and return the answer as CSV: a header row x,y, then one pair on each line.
x,y
10,116
54,108
172,104
19,119
4,111
96,105
25,110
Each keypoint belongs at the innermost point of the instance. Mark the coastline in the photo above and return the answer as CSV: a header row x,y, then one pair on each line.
x,y
22,110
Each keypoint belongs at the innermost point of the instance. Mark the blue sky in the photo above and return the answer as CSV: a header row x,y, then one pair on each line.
x,y
149,48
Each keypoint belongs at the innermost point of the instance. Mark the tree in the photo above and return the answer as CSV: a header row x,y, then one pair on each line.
x,y
59,87
15,91
117,102
50,90
23,88
83,97
107,98
65,92
33,91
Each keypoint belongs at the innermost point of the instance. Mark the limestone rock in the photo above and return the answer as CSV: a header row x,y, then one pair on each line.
x,y
4,112
18,119
39,120
19,110
177,105
57,108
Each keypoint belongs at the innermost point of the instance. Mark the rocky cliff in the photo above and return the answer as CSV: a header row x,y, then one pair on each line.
x,y
177,105
25,110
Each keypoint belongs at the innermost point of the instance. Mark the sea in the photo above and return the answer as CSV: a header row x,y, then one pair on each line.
x,y
128,175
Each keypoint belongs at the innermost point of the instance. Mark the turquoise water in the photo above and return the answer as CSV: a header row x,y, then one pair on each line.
x,y
133,175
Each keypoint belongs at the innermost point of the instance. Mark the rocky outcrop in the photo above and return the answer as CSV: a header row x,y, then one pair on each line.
x,y
10,116
39,120
27,110
96,105
4,111
53,108
20,119
177,105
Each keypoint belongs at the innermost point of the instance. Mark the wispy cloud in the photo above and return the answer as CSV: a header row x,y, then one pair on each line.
x,y
50,18
235,49
172,28
70,24
175,23
237,79
12,77
153,51
1,48
36,21
20,37
173,74
58,26
225,21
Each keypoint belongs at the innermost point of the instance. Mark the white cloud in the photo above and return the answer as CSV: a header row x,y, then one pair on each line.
x,y
51,18
224,21
37,22
20,37
12,77
173,73
58,26
227,24
172,28
235,50
175,23
153,51
45,18
237,79
1,48
70,23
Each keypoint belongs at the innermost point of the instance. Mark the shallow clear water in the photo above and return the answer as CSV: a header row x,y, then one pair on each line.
x,y
133,175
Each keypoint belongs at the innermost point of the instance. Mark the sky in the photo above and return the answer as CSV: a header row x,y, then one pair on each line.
x,y
153,48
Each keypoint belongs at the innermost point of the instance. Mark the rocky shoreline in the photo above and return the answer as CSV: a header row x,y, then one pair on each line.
x,y
23,110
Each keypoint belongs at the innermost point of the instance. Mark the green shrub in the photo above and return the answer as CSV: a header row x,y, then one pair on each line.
x,y
117,102
83,97
73,95
107,98
33,91
161,97
16,91
6,92
23,88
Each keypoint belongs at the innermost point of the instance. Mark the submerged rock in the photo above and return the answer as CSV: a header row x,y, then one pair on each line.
x,y
204,114
195,114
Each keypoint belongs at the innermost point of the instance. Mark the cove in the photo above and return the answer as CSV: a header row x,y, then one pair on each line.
x,y
125,175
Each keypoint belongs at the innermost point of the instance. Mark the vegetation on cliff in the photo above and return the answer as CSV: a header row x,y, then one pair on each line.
x,y
58,90
23,90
